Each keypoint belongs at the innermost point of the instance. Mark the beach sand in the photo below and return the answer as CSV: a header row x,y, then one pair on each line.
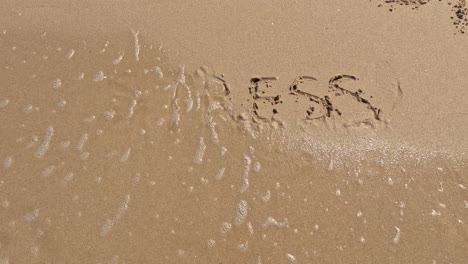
x,y
233,132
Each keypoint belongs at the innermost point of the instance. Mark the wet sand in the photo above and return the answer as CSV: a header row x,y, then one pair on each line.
x,y
213,132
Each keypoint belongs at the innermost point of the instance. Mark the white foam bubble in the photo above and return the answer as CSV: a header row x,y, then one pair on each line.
x,y
396,239
267,196
136,44
244,246
291,258
245,174
99,76
56,83
81,143
198,159
131,111
68,177
125,155
220,174
81,76
123,207
270,221
241,212
44,147
250,228
70,54
119,58
225,227
211,243
158,72
257,166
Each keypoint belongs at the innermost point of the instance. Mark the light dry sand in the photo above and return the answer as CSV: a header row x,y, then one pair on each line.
x,y
233,131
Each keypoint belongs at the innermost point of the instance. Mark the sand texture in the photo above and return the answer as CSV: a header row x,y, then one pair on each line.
x,y
233,131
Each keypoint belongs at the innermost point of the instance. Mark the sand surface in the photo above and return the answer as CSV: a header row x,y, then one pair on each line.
x,y
233,131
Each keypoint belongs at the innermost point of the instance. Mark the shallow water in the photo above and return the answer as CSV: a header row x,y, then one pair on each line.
x,y
114,151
